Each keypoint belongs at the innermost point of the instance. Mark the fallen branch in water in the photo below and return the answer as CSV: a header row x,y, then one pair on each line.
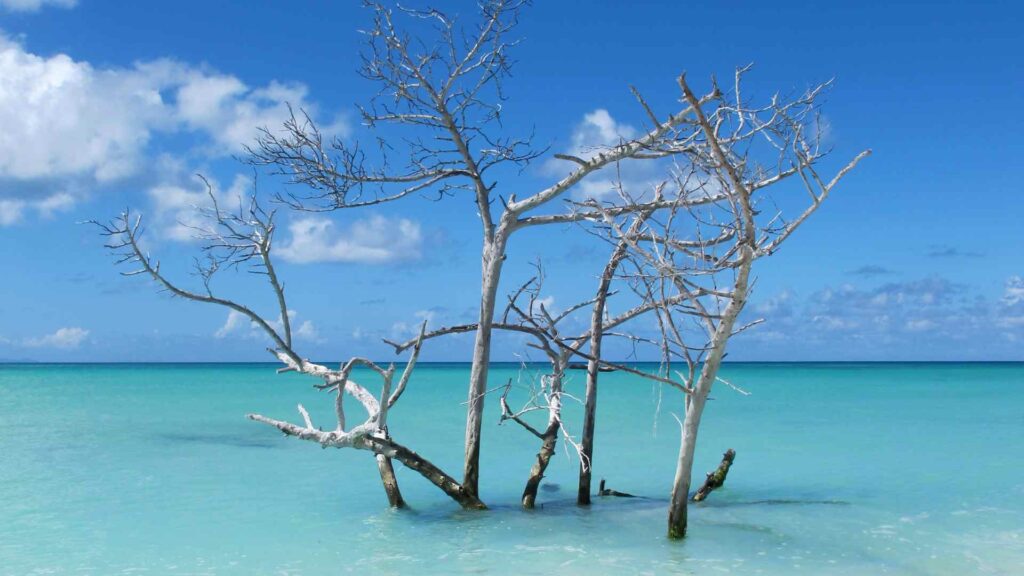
x,y
717,478
602,491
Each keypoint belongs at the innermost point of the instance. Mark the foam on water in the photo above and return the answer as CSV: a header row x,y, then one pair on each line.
x,y
841,469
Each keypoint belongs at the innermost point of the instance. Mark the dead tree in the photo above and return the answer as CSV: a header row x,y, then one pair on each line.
x,y
526,314
738,154
445,96
244,239
594,366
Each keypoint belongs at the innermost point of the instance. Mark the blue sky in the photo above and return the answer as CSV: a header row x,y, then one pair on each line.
x,y
105,105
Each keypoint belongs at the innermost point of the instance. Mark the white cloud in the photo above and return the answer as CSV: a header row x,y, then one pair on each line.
x,y
238,324
50,205
548,302
307,331
63,117
834,322
401,329
175,215
778,305
65,338
231,113
11,211
35,5
1013,292
597,132
375,240
235,322
68,122
920,325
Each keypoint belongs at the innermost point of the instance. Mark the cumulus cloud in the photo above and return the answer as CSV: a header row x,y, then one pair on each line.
x,y
69,125
239,325
1013,293
599,131
175,215
929,305
401,330
307,331
63,117
923,318
11,211
1011,313
548,302
235,323
35,5
64,338
780,305
375,240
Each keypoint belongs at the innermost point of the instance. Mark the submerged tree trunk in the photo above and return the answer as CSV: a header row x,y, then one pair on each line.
x,y
549,438
493,259
696,401
590,409
387,478
716,479
380,446
684,468
547,449
413,461
594,366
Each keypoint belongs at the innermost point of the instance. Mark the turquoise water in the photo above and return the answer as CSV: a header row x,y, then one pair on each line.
x,y
841,469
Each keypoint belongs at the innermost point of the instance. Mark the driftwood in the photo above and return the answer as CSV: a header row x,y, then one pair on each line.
x,y
602,491
717,478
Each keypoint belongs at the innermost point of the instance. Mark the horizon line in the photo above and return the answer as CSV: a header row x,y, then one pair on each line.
x,y
625,362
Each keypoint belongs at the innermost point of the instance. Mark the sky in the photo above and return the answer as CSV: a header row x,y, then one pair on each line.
x,y
108,105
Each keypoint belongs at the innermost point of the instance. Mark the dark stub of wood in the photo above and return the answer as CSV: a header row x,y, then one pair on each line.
x,y
717,478
602,491
583,366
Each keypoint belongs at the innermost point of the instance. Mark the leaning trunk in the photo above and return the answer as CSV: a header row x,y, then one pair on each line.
x,y
547,449
695,404
681,486
390,449
381,445
548,439
493,258
387,478
716,479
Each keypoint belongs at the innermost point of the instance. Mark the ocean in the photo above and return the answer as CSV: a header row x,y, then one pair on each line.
x,y
841,468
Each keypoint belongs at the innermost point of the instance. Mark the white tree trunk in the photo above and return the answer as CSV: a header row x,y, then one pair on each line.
x,y
696,401
492,261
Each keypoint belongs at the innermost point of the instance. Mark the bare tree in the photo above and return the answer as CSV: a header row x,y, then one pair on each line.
x,y
738,154
547,389
446,94
243,238
689,245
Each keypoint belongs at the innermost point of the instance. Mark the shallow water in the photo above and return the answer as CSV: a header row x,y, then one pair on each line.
x,y
841,469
